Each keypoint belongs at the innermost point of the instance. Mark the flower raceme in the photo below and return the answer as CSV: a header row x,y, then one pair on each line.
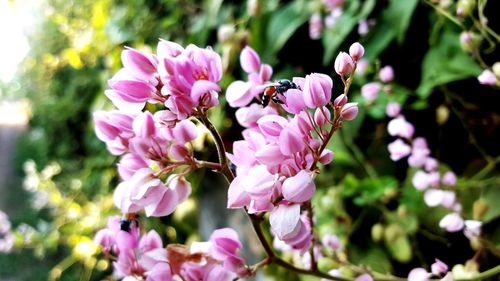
x,y
276,160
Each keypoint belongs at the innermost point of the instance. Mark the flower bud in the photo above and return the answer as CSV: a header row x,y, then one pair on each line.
x,y
370,91
356,51
340,101
343,64
418,274
315,26
393,109
386,74
465,7
349,111
487,78
317,90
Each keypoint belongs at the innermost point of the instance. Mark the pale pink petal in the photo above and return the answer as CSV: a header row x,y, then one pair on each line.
x,y
299,188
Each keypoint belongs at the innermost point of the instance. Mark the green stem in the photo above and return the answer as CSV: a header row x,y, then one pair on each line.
x,y
483,275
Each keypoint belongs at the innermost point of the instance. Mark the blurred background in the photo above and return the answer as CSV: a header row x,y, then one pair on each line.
x,y
56,177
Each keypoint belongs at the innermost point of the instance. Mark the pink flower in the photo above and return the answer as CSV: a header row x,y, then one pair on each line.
x,y
452,222
333,17
289,226
115,129
127,93
129,164
225,245
386,74
249,60
295,102
364,277
317,90
356,51
398,149
169,197
340,101
487,77
343,64
370,91
418,274
438,268
331,241
299,188
393,109
400,127
315,26
291,141
436,197
332,4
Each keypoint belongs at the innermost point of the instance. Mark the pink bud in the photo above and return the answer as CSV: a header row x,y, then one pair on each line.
x,y
236,195
143,125
270,154
418,274
317,90
340,101
487,77
179,152
452,222
356,51
326,157
285,220
343,64
400,127
393,109
249,60
386,74
322,116
204,93
430,164
449,179
299,188
472,228
370,91
150,241
349,111
364,277
438,268
129,164
265,73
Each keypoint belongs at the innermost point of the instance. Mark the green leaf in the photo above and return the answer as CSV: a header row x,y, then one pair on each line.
x,y
335,36
283,24
445,63
392,23
374,257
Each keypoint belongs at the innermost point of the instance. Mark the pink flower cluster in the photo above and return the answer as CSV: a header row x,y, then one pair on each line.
x,y
150,149
437,186
438,269
6,236
276,160
145,258
183,80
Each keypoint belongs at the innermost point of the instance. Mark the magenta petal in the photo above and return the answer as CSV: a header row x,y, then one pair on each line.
x,y
168,49
452,222
249,60
418,274
236,195
132,91
269,154
238,94
266,71
150,240
299,188
201,88
259,183
165,206
291,141
140,65
271,125
317,90
143,125
179,152
123,105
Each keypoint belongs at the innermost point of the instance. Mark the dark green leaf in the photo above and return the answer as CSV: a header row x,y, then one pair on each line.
x,y
283,24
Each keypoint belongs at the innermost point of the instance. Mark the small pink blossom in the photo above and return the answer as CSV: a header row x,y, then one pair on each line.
x,y
452,222
420,180
331,241
140,65
317,90
356,51
472,228
418,274
449,179
364,277
370,91
299,188
340,101
398,149
393,109
238,93
438,268
295,102
349,111
386,74
400,127
333,17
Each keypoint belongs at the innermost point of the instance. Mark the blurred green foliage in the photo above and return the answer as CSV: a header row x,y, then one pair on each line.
x,y
365,199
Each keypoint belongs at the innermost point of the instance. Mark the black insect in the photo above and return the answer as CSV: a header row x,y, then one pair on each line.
x,y
273,91
127,221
